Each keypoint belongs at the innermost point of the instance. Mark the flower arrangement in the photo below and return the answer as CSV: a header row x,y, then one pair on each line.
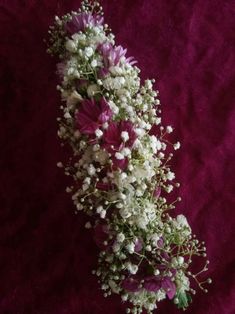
x,y
120,166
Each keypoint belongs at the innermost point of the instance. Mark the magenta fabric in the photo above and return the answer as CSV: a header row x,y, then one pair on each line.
x,y
46,254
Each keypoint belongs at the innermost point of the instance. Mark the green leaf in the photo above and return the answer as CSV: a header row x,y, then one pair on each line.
x,y
184,299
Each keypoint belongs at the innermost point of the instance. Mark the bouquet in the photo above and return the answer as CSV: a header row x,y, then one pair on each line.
x,y
120,154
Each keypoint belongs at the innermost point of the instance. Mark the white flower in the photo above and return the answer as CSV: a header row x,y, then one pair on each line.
x,y
142,222
114,287
182,221
92,90
182,224
125,136
169,188
120,237
91,170
160,295
88,225
182,282
99,209
114,108
126,151
170,175
132,268
180,260
94,63
70,45
119,156
98,133
158,120
169,129
177,145
116,247
155,144
140,132
103,213
148,84
125,213
88,52
130,247
124,297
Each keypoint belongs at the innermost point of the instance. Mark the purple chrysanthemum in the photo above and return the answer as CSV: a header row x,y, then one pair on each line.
x,y
112,56
92,115
81,21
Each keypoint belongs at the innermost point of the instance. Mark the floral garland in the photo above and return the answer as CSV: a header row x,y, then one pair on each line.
x,y
120,166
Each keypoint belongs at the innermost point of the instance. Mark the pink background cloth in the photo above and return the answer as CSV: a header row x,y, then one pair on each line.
x,y
46,255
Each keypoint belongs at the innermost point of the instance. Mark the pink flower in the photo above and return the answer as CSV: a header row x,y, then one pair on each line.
x,y
138,245
131,284
92,115
152,283
113,136
157,192
114,143
155,283
169,287
81,21
112,56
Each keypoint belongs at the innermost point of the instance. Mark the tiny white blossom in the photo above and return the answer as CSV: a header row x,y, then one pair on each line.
x,y
120,237
70,45
88,225
119,156
92,90
98,133
170,175
103,213
88,52
125,136
132,268
177,145
158,121
130,247
94,63
91,170
169,188
169,129
99,209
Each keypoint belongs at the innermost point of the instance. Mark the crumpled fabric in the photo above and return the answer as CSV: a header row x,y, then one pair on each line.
x,y
46,254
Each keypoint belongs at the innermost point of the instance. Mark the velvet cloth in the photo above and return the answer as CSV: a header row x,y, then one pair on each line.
x,y
46,254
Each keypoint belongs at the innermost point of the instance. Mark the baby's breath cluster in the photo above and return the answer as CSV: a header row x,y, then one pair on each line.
x,y
120,166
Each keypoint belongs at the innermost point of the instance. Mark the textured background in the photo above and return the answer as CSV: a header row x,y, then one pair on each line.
x,y
46,255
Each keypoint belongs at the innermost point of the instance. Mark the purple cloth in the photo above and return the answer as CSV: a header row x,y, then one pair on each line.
x,y
46,255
